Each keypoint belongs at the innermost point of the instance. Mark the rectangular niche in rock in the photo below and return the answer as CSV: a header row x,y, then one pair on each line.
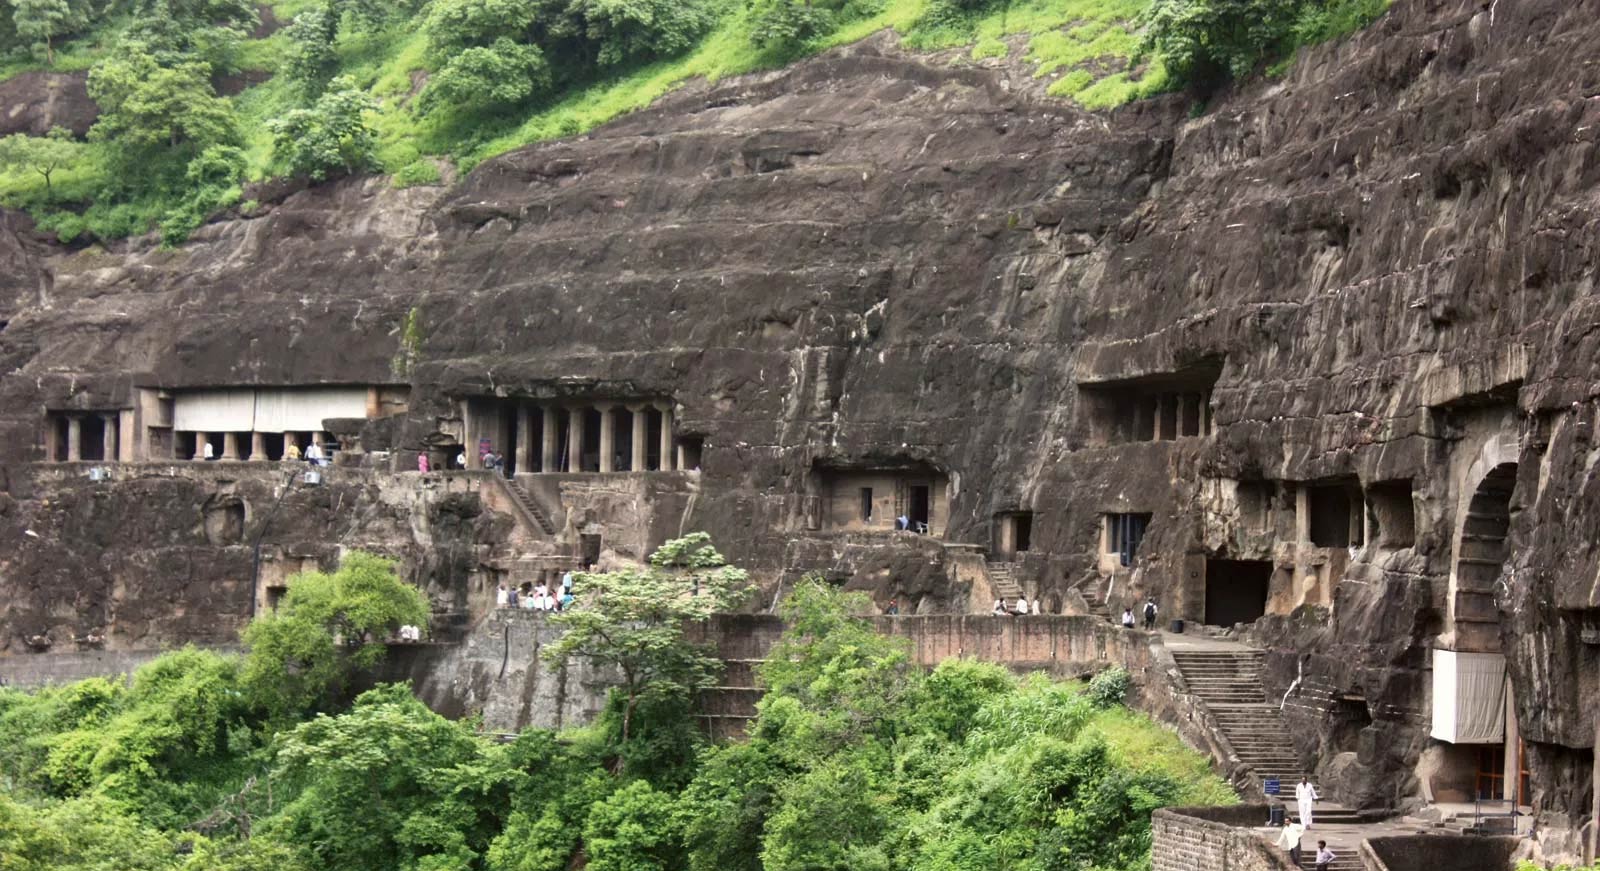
x,y
1155,407
1391,514
1122,534
1335,515
888,497
1013,533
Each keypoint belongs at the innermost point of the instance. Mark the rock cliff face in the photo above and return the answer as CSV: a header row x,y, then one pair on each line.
x,y
1380,269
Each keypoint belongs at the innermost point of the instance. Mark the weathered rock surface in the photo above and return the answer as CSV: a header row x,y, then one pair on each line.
x,y
33,103
1388,256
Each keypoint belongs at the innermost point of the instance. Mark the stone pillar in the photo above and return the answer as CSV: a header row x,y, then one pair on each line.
x,y
641,435
575,434
258,446
108,437
608,438
1513,755
469,434
74,439
127,444
290,438
1594,831
666,439
552,423
524,439
230,446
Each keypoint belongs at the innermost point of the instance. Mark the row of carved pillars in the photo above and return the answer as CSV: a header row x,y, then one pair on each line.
x,y
74,448
562,448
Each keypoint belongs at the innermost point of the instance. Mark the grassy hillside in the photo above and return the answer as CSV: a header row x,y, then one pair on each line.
x,y
405,87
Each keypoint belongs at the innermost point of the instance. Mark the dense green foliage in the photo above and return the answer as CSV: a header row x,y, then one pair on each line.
x,y
425,81
859,759
1204,42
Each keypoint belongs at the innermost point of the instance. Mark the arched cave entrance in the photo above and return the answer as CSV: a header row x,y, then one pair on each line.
x,y
1473,714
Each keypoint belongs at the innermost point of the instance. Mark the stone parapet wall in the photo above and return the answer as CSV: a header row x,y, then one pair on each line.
x,y
30,670
1210,839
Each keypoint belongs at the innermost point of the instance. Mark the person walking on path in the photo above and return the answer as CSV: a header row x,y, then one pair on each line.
x,y
1149,614
1289,839
1305,795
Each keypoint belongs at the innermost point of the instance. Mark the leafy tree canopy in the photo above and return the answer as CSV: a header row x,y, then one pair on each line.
x,y
334,135
326,626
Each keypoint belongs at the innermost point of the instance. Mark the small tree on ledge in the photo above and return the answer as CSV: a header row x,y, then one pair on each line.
x,y
634,621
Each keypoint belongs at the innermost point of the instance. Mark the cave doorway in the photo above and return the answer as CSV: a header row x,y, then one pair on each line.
x,y
918,501
590,545
622,444
1236,590
91,438
512,432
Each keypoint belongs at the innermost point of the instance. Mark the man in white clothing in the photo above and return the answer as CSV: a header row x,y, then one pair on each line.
x,y
1289,839
1305,795
1022,605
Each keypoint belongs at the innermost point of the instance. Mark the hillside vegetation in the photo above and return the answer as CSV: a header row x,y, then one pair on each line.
x,y
408,87
859,761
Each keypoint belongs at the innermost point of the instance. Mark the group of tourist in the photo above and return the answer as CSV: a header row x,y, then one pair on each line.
x,y
291,453
1022,607
409,632
537,597
1289,838
1150,613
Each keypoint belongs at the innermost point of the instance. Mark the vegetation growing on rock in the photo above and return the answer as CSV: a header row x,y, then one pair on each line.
x,y
350,85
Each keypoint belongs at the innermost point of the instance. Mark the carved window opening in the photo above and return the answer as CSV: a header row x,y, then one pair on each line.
x,y
693,451
1158,407
1013,533
866,504
275,595
1123,535
1336,518
591,545
1391,514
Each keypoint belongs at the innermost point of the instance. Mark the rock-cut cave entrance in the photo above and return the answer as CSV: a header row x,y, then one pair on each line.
x,y
1482,754
1236,590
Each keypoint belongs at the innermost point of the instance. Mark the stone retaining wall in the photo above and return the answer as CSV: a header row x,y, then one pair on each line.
x,y
1210,839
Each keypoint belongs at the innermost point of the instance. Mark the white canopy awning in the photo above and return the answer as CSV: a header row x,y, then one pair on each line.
x,y
1469,697
266,410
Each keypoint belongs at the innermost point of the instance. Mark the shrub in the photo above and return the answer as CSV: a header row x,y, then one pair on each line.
x,y
333,135
1110,687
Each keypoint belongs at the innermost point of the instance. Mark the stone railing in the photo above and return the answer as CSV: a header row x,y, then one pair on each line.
x,y
1206,838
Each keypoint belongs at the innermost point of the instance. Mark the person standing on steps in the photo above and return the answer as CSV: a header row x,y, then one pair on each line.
x,y
1149,614
1325,856
1305,795
1289,839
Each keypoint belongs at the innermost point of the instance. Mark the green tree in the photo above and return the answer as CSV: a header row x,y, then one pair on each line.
x,y
192,31
42,22
389,784
40,154
334,135
325,627
629,31
787,25
634,829
454,25
311,59
1203,42
147,108
490,77
633,621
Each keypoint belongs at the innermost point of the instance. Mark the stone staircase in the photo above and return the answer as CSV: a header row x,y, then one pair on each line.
x,y
1002,581
531,512
1228,681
